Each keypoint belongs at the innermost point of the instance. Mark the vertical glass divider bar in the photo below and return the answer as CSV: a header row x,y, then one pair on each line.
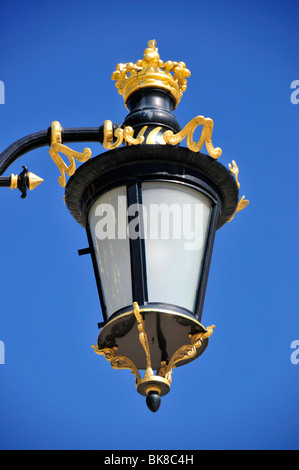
x,y
136,240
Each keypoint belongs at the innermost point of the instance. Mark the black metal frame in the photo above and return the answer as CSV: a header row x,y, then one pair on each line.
x,y
137,249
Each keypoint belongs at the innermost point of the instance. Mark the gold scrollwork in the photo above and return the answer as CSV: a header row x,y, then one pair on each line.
x,y
241,205
188,131
162,380
117,361
121,135
143,340
187,351
152,138
127,135
243,202
234,171
57,146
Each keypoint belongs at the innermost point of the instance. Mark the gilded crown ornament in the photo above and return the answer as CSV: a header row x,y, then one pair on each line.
x,y
151,71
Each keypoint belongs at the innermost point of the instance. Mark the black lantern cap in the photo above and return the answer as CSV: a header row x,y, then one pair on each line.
x,y
112,167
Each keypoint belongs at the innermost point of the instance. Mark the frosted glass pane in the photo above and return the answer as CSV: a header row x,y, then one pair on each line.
x,y
108,224
176,220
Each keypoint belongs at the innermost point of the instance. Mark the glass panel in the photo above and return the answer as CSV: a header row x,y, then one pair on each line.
x,y
108,226
176,222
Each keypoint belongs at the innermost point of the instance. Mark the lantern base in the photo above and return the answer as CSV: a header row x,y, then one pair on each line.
x,y
154,386
168,328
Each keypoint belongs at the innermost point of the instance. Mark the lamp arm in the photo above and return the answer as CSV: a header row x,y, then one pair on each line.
x,y
43,138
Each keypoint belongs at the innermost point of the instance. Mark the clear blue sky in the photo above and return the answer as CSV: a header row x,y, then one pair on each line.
x,y
56,63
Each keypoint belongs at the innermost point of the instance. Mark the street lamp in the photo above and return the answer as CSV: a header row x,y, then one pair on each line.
x,y
151,209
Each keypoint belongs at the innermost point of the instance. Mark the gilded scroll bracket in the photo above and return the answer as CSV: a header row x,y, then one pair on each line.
x,y
114,139
57,147
188,131
121,134
243,202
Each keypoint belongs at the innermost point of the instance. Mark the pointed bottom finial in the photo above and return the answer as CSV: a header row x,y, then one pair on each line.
x,y
153,401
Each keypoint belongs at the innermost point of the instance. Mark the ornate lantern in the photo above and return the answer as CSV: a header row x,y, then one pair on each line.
x,y
151,209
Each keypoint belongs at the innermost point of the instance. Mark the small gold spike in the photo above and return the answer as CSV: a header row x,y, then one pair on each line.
x,y
33,180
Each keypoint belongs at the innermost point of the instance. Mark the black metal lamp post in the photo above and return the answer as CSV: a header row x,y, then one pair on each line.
x,y
151,209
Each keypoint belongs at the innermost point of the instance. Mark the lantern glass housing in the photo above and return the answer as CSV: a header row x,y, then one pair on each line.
x,y
151,222
177,221
171,222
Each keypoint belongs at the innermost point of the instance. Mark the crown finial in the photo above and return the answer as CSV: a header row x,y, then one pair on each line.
x,y
152,72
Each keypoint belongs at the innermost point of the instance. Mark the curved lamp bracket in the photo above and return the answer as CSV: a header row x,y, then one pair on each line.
x,y
53,135
110,136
